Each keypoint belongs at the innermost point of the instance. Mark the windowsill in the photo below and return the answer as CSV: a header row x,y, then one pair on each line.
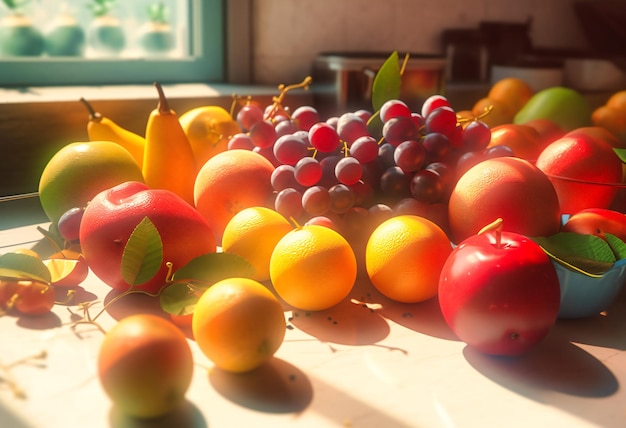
x,y
133,92
36,122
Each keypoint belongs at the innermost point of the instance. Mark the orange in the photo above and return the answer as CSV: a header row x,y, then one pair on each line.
x,y
145,365
511,91
612,119
404,257
313,268
238,324
617,101
524,140
508,187
498,115
583,158
208,129
79,171
252,234
229,182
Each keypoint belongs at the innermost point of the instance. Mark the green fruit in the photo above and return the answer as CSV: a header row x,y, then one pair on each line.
x,y
65,40
18,37
564,106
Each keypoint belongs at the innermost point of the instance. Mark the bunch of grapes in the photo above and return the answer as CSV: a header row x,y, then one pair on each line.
x,y
337,168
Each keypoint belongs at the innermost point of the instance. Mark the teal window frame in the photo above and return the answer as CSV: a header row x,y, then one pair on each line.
x,y
205,63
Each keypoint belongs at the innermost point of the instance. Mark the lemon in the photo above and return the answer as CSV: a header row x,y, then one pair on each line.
x,y
404,256
208,129
253,233
238,324
79,171
313,268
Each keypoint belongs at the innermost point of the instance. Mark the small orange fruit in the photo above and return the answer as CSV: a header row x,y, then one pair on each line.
x,y
253,233
617,101
512,91
145,365
492,112
404,256
229,182
208,129
612,119
510,188
238,324
313,268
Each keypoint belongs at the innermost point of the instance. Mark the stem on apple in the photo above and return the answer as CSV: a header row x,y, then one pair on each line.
x,y
496,226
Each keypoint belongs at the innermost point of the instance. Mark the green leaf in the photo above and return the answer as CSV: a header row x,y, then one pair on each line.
x,y
588,254
210,268
386,85
23,266
621,153
617,246
190,281
143,254
179,298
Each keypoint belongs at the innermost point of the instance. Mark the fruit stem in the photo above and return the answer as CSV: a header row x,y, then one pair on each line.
x,y
283,91
93,115
495,226
404,63
163,106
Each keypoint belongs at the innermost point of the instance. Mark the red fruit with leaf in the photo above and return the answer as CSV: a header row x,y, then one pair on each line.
x,y
114,214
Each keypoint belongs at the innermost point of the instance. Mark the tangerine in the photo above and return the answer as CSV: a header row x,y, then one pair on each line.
x,y
313,268
238,324
511,91
404,256
253,233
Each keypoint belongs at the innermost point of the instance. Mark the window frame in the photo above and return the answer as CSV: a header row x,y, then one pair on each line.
x,y
206,62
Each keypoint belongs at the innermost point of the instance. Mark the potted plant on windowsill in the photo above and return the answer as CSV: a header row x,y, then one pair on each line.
x,y
106,35
156,36
18,35
66,36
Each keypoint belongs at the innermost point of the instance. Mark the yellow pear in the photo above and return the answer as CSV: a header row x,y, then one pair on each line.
x,y
101,128
168,161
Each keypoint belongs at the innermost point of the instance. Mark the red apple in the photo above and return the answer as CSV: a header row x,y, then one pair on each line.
x,y
113,214
597,221
499,292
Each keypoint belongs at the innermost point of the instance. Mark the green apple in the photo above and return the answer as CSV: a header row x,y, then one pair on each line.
x,y
564,106
18,37
66,38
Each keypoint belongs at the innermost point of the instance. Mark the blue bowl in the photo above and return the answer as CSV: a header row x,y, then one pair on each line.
x,y
584,296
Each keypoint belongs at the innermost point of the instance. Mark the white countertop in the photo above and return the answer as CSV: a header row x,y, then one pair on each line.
x,y
368,362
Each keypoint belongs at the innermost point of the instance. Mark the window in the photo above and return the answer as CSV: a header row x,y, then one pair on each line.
x,y
196,54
